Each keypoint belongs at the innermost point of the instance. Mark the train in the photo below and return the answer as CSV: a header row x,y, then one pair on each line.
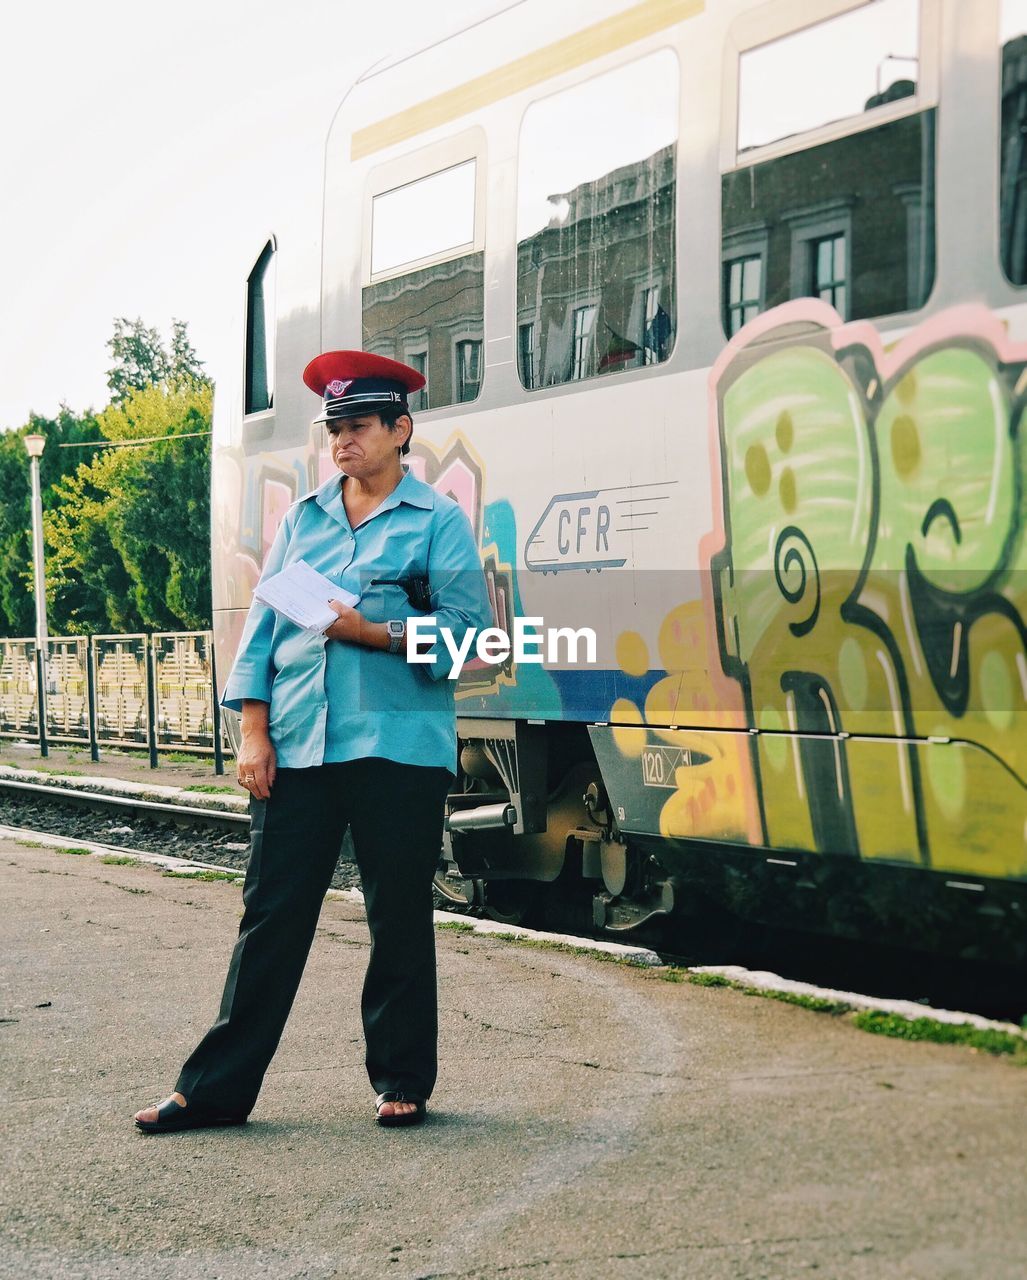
x,y
721,307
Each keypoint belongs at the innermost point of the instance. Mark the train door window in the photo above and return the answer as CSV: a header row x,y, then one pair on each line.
x,y
1013,197
426,270
468,369
743,291
526,353
595,214
832,158
260,332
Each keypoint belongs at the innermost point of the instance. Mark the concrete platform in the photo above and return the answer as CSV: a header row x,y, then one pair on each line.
x,y
590,1120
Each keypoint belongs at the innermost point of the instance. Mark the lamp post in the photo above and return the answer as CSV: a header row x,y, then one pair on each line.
x,y
35,444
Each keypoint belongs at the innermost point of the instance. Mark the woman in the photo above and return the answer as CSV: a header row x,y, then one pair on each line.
x,y
340,730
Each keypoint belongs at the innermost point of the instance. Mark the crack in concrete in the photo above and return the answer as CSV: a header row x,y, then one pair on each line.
x,y
667,1250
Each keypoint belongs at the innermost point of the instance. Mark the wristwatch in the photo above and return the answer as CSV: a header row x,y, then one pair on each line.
x,y
397,630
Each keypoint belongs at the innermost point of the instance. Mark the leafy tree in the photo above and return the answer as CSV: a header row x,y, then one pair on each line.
x,y
17,609
126,529
185,365
141,360
131,537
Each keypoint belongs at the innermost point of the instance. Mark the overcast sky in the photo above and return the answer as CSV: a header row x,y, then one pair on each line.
x,y
147,149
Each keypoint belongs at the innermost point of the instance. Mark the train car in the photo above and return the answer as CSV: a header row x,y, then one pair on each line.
x,y
721,307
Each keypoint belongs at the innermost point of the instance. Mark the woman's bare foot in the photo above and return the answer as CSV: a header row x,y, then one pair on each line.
x,y
149,1114
387,1108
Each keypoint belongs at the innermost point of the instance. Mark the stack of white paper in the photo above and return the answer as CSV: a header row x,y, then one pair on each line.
x,y
301,594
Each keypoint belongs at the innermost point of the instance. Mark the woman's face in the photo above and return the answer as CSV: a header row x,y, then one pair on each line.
x,y
362,445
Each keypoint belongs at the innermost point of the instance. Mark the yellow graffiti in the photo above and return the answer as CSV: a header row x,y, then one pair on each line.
x,y
872,588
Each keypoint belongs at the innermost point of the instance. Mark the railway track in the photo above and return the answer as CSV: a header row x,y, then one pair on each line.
x,y
136,806
213,833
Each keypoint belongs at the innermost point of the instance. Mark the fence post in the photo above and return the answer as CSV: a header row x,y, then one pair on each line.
x,y
215,719
151,699
94,742
44,750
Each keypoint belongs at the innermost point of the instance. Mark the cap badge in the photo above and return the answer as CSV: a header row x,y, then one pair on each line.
x,y
337,387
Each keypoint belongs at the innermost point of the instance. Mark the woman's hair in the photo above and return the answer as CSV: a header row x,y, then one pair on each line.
x,y
390,415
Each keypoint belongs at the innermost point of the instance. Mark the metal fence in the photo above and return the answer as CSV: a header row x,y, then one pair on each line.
x,y
151,691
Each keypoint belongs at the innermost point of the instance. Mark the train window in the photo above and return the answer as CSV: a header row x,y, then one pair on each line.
x,y
595,225
423,219
845,214
260,332
798,83
1013,199
426,296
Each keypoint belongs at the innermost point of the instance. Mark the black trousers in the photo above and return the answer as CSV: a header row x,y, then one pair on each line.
x,y
395,812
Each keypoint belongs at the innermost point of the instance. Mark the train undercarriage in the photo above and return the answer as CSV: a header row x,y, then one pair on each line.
x,y
530,820
530,810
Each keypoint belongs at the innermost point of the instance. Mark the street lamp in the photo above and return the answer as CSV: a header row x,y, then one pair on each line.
x,y
35,444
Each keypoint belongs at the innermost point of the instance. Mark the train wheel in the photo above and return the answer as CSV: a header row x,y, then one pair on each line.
x,y
452,892
509,901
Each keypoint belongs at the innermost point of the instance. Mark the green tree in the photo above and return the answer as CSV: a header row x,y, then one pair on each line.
x,y
141,359
130,540
17,611
185,365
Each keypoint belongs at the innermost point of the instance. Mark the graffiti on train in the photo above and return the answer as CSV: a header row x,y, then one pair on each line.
x,y
869,582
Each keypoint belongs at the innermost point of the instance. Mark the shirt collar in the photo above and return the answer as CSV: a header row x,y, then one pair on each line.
x,y
414,492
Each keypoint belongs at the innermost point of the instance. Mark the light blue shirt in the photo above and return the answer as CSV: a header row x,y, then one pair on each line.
x,y
332,700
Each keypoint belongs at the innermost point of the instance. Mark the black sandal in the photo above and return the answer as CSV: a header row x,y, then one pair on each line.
x,y
172,1116
402,1117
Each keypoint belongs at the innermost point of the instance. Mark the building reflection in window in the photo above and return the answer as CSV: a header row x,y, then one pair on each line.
x,y
595,225
850,220
432,313
468,369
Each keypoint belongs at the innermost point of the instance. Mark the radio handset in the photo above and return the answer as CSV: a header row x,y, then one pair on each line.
x,y
416,587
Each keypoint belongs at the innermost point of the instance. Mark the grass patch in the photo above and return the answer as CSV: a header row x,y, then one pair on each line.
x,y
818,1004
119,860
707,979
73,850
985,1039
33,844
213,791
204,875
541,944
184,757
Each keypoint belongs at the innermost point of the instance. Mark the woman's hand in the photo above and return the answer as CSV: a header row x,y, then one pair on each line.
x,y
256,764
347,626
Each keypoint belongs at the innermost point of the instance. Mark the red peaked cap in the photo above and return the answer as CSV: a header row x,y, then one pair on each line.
x,y
353,382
